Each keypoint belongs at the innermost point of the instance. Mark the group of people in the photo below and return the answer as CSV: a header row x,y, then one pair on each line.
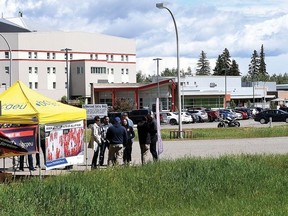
x,y
118,139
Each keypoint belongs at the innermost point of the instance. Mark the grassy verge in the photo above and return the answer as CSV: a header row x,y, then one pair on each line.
x,y
226,133
242,185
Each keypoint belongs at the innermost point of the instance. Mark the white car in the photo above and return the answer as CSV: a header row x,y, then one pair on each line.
x,y
173,119
201,115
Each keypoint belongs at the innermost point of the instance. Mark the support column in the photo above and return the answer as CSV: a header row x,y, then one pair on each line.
x,y
136,98
113,97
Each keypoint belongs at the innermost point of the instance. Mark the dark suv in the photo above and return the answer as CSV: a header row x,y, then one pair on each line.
x,y
137,115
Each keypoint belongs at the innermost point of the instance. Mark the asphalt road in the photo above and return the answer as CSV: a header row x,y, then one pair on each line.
x,y
243,123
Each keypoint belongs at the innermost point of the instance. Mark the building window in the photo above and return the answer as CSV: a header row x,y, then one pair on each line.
x,y
122,71
54,70
66,85
80,70
36,70
122,58
30,70
35,55
98,70
91,56
36,85
29,55
48,55
7,70
107,70
7,55
127,71
107,57
53,55
112,71
30,85
48,70
65,70
111,57
96,57
65,56
127,59
71,56
54,85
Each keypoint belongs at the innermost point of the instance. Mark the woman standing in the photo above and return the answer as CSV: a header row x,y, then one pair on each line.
x,y
128,148
95,141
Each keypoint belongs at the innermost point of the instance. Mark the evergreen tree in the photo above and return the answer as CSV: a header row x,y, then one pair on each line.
x,y
189,71
223,64
234,70
218,70
263,75
167,72
253,70
203,65
142,78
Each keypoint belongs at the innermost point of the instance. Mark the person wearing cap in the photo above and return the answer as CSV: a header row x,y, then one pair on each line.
x,y
95,140
117,137
125,116
152,130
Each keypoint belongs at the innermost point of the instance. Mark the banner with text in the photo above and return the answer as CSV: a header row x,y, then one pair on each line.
x,y
23,136
93,110
64,144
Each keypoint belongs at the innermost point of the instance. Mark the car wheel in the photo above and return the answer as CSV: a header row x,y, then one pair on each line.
x,y
237,124
262,121
286,120
173,122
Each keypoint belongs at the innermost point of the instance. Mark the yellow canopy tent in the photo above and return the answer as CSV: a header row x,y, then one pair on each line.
x,y
21,105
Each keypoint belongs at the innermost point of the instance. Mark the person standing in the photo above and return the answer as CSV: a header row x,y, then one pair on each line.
x,y
104,142
152,130
95,140
128,148
144,139
125,116
117,137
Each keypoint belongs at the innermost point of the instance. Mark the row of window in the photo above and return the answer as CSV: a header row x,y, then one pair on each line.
x,y
35,85
49,70
104,70
53,56
109,57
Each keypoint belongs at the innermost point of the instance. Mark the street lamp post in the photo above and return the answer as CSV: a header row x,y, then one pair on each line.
x,y
161,6
68,77
225,100
158,88
10,58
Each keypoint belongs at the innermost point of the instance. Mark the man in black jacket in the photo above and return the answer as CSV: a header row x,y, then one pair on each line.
x,y
117,137
152,130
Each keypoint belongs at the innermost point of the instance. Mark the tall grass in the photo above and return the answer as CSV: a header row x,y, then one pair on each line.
x,y
239,185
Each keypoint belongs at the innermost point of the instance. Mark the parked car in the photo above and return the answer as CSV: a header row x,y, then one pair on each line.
x,y
201,115
246,110
213,115
224,113
173,119
276,115
244,114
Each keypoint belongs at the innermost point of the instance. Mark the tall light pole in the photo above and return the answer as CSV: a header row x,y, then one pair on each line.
x,y
225,100
161,6
10,57
68,77
158,88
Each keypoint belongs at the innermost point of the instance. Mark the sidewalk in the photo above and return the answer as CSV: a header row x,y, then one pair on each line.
x,y
178,149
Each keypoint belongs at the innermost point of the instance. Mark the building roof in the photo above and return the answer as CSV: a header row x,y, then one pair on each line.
x,y
13,25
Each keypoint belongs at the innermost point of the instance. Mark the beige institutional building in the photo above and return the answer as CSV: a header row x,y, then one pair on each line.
x,y
39,60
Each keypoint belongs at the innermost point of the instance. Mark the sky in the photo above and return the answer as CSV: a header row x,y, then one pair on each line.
x,y
241,26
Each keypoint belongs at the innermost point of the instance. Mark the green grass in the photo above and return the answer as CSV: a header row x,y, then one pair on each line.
x,y
238,185
225,133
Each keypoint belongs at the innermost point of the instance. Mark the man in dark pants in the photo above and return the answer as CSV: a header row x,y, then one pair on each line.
x,y
105,144
152,130
30,163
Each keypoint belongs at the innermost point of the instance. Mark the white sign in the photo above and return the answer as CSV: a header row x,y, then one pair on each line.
x,y
93,110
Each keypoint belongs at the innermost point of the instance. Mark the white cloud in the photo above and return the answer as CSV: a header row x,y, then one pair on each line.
x,y
242,26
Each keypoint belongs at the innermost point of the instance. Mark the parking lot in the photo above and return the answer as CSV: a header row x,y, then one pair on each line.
x,y
243,123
